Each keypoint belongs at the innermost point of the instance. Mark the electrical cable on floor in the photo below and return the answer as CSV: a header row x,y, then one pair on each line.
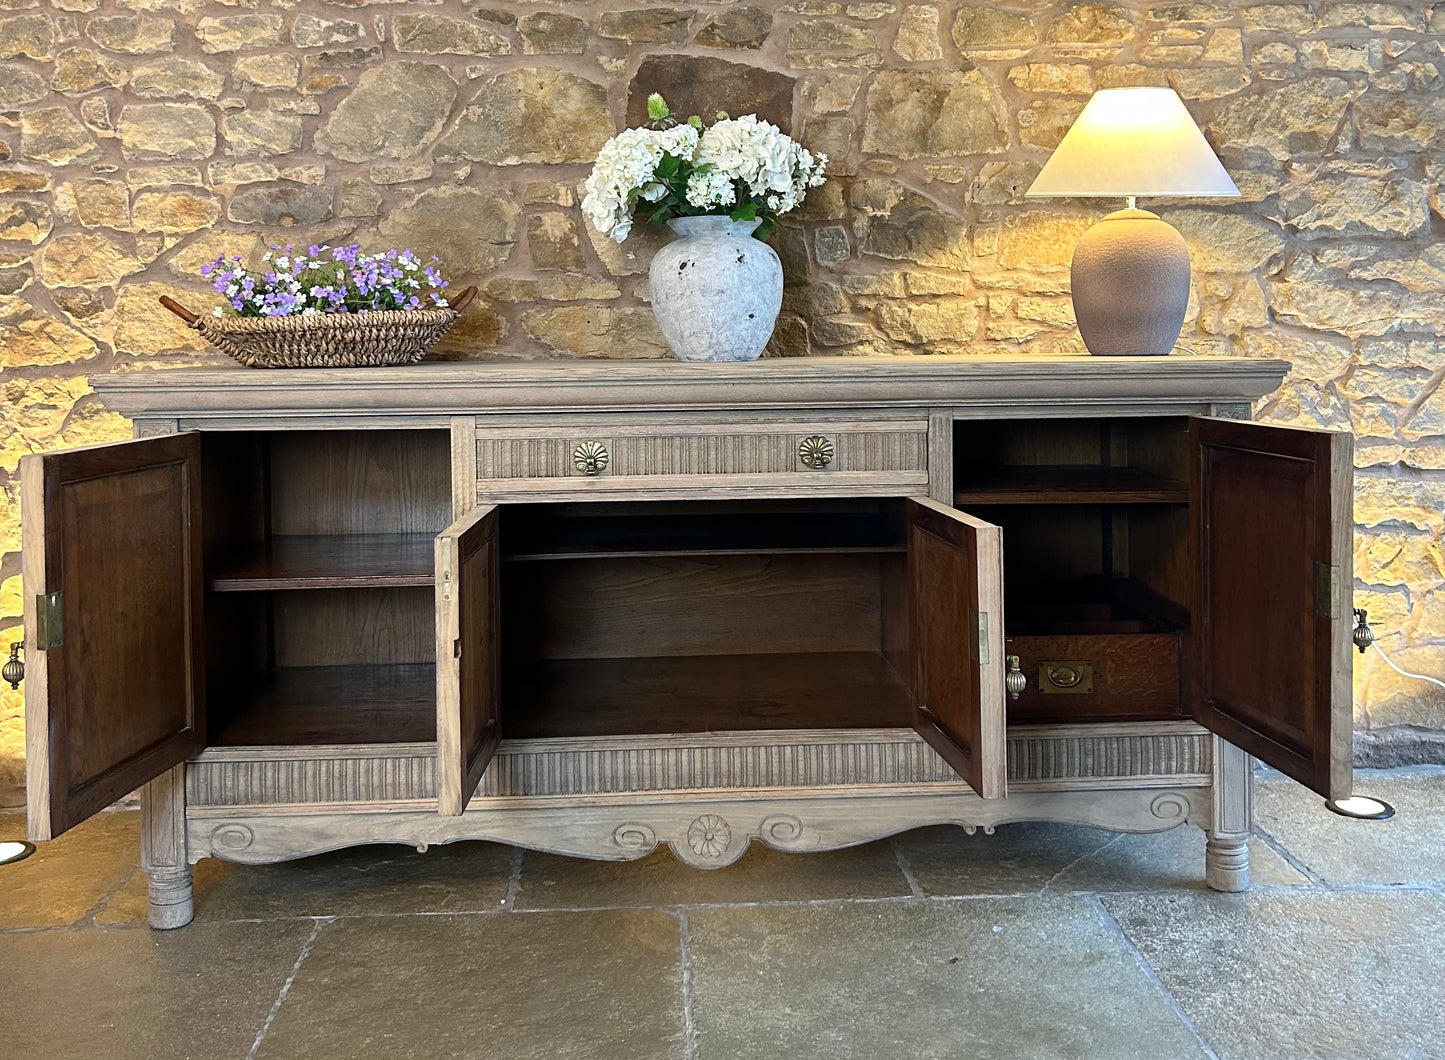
x,y
1406,673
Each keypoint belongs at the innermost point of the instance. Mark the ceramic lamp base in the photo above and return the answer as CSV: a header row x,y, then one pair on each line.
x,y
1130,283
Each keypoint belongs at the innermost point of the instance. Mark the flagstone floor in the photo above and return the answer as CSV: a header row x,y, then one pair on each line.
x,y
1038,942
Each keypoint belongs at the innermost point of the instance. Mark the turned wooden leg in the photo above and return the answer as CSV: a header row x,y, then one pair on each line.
x,y
163,849
1226,854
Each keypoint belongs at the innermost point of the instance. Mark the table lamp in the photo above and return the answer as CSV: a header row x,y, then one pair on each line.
x,y
1130,273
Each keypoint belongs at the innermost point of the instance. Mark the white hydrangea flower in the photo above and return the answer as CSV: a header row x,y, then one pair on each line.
x,y
624,171
711,188
773,166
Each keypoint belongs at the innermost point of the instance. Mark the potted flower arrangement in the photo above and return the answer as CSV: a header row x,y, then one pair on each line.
x,y
717,289
326,307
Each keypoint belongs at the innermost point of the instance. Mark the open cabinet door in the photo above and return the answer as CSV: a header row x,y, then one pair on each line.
x,y
955,604
115,684
1272,514
468,656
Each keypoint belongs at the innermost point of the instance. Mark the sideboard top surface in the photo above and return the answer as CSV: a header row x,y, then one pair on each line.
x,y
1006,384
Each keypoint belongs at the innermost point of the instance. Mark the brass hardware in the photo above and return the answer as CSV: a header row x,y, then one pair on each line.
x,y
49,622
591,458
1066,678
978,637
1364,636
1327,591
1014,681
815,452
13,671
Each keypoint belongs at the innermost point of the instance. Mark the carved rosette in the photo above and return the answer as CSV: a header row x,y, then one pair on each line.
x,y
709,836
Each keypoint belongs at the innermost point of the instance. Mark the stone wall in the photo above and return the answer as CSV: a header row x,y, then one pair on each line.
x,y
140,138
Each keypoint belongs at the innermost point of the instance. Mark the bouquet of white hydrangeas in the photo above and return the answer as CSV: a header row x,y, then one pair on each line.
x,y
741,168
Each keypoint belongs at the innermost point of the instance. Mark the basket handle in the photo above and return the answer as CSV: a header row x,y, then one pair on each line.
x,y
179,310
465,298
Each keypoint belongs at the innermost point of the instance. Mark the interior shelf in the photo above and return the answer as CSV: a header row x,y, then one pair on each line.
x,y
330,561
1070,485
599,537
310,705
704,693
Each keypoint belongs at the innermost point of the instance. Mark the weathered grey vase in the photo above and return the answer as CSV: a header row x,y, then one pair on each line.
x,y
716,290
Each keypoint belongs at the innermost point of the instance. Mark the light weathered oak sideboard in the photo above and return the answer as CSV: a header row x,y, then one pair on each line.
x,y
591,608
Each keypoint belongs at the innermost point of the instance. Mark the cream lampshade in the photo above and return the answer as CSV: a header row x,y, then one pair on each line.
x,y
1130,273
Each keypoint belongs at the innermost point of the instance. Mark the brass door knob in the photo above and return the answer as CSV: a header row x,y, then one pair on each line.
x,y
815,452
1014,681
14,670
591,458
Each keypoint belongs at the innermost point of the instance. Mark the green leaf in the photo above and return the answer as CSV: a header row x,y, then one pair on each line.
x,y
748,211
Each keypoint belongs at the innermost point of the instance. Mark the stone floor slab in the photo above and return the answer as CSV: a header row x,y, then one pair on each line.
x,y
1037,978
520,986
1030,857
67,877
760,875
458,877
124,994
1408,848
1302,975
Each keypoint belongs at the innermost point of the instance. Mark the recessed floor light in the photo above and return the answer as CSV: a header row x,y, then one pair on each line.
x,y
16,851
1361,808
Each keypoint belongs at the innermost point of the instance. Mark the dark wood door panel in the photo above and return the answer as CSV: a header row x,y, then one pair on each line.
x,y
955,587
468,656
115,530
1272,525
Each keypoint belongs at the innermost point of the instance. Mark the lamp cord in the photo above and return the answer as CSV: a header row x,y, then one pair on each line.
x,y
1406,673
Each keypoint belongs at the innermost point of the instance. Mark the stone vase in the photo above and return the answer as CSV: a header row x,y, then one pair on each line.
x,y
716,290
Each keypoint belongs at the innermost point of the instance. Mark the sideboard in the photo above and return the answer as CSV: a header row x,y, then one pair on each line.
x,y
594,607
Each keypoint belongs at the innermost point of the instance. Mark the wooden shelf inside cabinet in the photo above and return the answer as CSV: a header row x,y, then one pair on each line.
x,y
1071,485
705,693
727,535
330,561
311,705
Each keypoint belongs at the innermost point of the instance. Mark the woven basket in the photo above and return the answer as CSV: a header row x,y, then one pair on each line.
x,y
329,340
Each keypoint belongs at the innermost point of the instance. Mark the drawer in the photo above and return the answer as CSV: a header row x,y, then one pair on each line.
x,y
1078,678
885,455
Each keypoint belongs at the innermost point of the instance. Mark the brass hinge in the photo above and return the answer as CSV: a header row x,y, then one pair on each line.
x,y
978,637
49,621
1327,590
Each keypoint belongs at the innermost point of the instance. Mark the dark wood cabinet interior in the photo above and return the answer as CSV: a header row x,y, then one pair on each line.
x,y
628,617
319,584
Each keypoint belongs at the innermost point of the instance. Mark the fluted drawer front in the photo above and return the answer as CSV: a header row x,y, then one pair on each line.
x,y
608,457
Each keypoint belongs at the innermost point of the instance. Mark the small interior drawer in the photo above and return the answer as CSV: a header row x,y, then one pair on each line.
x,y
1084,677
624,454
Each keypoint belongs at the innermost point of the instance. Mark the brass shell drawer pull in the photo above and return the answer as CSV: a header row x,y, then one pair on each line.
x,y
816,452
591,458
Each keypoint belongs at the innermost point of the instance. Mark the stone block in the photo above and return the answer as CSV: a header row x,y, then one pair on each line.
x,y
176,77
653,25
430,34
934,113
55,136
536,114
233,33
552,33
703,85
167,131
395,109
988,33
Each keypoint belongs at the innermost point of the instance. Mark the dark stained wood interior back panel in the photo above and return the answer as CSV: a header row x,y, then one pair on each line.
x,y
360,482
705,693
353,627
716,605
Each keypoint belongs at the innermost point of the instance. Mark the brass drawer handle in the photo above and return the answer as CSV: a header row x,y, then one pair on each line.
x,y
590,458
815,452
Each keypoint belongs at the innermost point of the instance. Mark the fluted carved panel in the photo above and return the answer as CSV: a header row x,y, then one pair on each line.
x,y
1047,758
581,767
720,452
287,781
